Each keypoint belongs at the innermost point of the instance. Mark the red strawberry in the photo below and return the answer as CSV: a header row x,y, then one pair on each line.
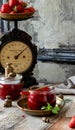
x,y
5,8
24,4
26,11
31,9
72,122
12,3
23,93
18,9
12,12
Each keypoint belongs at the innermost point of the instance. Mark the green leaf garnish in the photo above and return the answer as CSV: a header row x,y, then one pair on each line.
x,y
43,108
54,110
57,108
49,107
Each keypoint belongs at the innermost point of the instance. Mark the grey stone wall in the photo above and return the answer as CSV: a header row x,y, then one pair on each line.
x,y
53,26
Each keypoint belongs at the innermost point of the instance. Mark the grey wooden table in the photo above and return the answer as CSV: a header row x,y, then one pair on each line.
x,y
15,119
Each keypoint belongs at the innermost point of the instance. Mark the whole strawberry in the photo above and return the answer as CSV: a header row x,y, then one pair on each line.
x,y
72,122
5,8
12,3
18,9
29,10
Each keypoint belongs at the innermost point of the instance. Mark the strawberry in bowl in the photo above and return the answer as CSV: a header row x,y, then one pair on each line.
x,y
5,8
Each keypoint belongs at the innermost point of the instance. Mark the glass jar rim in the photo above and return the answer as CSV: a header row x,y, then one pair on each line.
x,y
38,91
14,80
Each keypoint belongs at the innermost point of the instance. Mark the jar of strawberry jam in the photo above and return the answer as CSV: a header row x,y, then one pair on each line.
x,y
40,97
10,86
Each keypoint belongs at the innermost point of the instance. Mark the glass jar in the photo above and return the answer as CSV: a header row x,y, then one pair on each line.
x,y
10,86
40,97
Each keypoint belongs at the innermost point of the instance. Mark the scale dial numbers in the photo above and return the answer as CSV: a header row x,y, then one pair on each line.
x,y
19,54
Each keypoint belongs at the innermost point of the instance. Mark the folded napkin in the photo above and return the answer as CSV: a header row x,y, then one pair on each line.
x,y
67,89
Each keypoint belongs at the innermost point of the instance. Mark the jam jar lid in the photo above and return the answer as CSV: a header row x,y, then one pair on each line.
x,y
13,80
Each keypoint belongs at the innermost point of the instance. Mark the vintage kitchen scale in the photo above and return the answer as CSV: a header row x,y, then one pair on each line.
x,y
16,48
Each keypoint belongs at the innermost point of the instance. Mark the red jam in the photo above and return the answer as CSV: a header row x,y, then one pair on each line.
x,y
11,87
40,97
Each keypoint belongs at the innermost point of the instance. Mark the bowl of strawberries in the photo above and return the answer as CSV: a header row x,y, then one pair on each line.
x,y
16,10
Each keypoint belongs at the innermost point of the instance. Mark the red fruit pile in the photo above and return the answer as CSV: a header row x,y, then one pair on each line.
x,y
39,98
16,6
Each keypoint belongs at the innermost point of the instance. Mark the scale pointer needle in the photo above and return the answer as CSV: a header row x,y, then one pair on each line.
x,y
16,57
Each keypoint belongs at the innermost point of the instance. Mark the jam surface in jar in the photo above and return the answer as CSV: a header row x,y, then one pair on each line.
x,y
10,89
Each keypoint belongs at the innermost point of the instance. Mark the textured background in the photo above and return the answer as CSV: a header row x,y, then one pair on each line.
x,y
52,27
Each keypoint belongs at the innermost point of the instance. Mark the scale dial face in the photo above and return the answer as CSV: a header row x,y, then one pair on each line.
x,y
19,54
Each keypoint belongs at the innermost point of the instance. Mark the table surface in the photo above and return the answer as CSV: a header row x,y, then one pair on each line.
x,y
13,118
